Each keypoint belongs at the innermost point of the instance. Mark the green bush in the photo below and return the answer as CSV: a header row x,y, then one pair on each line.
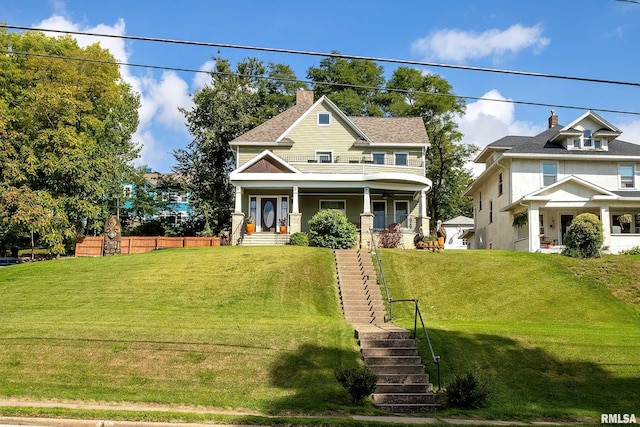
x,y
467,392
632,251
299,239
331,229
360,382
584,237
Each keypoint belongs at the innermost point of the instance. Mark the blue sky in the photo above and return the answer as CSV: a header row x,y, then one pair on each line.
x,y
590,38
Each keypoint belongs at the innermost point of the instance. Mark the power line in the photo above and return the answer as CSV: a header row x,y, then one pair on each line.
x,y
309,82
327,54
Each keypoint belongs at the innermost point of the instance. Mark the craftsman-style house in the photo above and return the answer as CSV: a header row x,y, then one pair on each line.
x,y
313,157
533,186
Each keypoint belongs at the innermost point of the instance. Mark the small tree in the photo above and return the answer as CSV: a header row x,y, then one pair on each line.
x,y
331,229
584,237
359,382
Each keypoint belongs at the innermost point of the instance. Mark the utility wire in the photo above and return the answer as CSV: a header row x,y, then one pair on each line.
x,y
327,54
311,83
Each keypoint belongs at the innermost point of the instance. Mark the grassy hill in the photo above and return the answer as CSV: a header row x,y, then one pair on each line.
x,y
261,329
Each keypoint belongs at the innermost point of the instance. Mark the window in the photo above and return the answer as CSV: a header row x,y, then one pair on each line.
x,y
324,119
253,203
480,202
625,223
127,190
339,205
401,213
597,144
324,156
549,173
576,143
586,139
626,173
490,211
500,184
401,159
377,158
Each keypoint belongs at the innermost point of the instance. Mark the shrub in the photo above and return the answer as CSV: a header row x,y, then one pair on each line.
x,y
330,229
632,251
584,237
360,382
467,392
390,237
299,239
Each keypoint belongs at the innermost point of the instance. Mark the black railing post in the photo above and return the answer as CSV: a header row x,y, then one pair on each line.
x,y
415,320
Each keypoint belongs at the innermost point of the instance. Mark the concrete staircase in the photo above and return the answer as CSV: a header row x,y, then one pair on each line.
x,y
388,350
265,239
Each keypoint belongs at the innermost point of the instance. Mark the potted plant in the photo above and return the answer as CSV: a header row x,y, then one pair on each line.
x,y
549,242
283,226
250,227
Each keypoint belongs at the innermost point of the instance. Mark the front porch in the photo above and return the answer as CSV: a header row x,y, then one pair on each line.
x,y
282,212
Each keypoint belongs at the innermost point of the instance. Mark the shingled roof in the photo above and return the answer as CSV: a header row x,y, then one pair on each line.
x,y
540,144
377,129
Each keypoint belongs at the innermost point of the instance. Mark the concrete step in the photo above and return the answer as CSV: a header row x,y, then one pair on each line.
x,y
403,378
389,352
389,334
398,343
393,360
397,369
404,398
408,408
412,388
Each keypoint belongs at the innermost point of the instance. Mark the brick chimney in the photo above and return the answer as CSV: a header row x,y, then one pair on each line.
x,y
553,119
304,97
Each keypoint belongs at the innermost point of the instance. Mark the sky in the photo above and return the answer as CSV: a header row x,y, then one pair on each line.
x,y
595,39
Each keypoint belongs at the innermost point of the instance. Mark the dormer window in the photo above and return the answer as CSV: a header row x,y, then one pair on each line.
x,y
324,119
597,144
587,142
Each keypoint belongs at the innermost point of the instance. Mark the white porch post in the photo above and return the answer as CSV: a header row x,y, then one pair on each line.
x,y
533,222
366,201
295,217
237,218
605,219
422,224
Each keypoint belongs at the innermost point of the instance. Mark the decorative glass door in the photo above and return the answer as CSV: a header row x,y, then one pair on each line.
x,y
268,210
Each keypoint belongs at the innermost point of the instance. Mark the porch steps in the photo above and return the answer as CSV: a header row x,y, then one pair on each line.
x,y
265,239
388,350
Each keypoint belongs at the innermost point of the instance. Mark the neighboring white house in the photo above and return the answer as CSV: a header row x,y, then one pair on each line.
x,y
456,228
548,179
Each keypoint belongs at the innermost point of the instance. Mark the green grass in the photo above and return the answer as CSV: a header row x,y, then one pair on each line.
x,y
260,329
555,337
242,328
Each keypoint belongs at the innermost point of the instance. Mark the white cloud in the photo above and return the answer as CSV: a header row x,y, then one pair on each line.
x,y
200,80
487,121
630,131
160,98
459,46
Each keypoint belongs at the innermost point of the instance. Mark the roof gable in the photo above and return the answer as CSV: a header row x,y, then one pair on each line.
x,y
569,189
266,162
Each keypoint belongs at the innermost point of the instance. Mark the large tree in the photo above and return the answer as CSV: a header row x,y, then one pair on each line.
x,y
65,137
234,102
414,93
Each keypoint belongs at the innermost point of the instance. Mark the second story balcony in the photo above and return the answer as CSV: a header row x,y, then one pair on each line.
x,y
328,163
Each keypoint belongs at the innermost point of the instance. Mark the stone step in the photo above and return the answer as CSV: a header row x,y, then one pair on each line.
x,y
402,343
404,398
389,351
403,378
397,369
408,408
411,388
393,360
390,334
347,307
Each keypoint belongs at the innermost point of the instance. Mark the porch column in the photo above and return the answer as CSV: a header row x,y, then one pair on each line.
x,y
237,219
295,217
366,201
533,221
422,222
238,199
605,219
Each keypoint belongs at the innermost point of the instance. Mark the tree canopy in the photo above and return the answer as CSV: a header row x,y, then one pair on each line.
x,y
65,138
233,103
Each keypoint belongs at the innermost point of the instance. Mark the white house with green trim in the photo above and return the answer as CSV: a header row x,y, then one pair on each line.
x,y
313,157
544,181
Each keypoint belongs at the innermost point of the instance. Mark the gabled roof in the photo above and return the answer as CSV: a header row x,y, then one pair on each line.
x,y
572,186
459,220
370,130
266,162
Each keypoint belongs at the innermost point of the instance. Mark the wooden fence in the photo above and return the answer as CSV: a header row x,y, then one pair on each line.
x,y
92,246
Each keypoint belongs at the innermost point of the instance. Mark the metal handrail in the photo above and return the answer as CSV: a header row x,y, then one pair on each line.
x,y
417,314
241,227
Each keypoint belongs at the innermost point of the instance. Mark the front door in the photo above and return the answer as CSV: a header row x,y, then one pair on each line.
x,y
379,215
268,210
565,222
